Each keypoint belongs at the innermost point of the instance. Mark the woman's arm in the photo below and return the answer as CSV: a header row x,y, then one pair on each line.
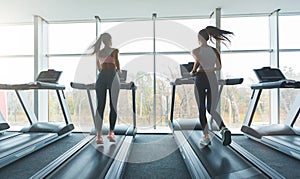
x,y
116,57
218,63
195,67
98,62
196,64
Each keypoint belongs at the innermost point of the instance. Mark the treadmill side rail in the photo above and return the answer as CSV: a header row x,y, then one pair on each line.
x,y
64,106
251,158
117,167
252,107
195,166
294,112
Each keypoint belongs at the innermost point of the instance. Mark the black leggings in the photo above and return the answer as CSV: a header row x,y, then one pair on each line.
x,y
206,88
107,80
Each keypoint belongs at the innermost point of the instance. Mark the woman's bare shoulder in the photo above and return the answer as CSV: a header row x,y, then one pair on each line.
x,y
196,50
115,50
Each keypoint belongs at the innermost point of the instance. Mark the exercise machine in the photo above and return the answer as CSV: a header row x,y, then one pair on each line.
x,y
282,137
89,160
215,160
37,134
3,124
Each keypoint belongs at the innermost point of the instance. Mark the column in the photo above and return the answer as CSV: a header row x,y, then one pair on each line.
x,y
41,107
274,62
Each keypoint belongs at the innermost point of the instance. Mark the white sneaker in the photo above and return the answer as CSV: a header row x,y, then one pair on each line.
x,y
205,141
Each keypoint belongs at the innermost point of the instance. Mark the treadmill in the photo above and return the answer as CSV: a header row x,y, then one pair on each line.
x,y
90,160
282,137
4,126
38,134
215,160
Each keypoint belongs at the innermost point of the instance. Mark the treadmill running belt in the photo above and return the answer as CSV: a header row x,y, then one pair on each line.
x,y
7,135
291,141
221,161
93,161
14,144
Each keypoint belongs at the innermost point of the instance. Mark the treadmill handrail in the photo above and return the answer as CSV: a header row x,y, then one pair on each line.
x,y
18,88
92,86
276,84
32,85
181,81
229,81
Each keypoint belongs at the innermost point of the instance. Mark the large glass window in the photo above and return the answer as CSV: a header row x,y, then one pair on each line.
x,y
140,71
174,47
72,38
250,33
75,69
12,110
172,40
178,35
16,40
131,36
290,66
235,99
69,40
16,70
135,40
289,62
16,66
288,30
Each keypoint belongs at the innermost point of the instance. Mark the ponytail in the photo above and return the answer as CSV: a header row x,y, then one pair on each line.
x,y
96,46
216,33
105,38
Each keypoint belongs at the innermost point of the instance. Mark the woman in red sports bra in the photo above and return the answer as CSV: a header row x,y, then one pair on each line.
x,y
108,79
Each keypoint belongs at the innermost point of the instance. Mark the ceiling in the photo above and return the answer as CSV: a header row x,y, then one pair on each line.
x,y
19,11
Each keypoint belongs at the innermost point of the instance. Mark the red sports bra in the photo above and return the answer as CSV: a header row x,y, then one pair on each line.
x,y
108,59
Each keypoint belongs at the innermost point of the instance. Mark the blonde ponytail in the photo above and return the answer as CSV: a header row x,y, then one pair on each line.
x,y
96,46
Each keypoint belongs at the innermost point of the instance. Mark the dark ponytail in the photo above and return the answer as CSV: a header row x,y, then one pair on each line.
x,y
216,33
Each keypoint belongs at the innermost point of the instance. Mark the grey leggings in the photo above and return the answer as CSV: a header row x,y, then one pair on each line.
x,y
107,80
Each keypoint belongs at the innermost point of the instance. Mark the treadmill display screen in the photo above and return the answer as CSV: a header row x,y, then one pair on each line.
x,y
267,74
185,69
50,76
123,76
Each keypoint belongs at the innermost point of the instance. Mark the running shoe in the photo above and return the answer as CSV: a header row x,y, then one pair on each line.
x,y
205,141
226,136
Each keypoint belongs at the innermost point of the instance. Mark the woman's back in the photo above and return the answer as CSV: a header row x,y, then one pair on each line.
x,y
106,56
207,57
